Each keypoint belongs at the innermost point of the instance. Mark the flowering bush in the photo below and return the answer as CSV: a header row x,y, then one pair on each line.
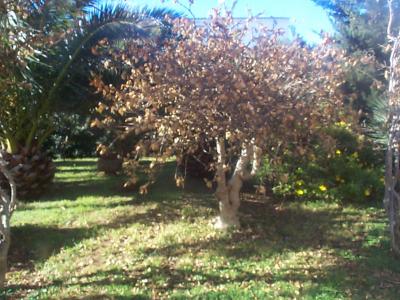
x,y
351,172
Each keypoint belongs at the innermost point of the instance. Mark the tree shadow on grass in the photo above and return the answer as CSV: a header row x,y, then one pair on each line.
x,y
363,267
75,187
31,243
80,185
78,163
267,232
358,270
171,277
107,297
75,170
72,190
332,282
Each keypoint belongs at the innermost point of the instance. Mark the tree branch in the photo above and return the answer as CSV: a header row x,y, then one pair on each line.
x,y
256,163
252,153
243,162
221,161
390,34
12,199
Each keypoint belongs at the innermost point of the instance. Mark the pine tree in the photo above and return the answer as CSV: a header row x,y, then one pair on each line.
x,y
360,25
360,28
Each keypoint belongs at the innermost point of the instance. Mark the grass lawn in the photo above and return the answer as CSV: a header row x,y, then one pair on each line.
x,y
87,239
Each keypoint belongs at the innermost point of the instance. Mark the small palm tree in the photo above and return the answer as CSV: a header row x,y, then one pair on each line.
x,y
377,127
66,32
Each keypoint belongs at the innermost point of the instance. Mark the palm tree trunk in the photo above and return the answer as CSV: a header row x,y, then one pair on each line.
x,y
8,202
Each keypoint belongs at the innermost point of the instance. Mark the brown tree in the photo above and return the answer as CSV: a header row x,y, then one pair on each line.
x,y
214,84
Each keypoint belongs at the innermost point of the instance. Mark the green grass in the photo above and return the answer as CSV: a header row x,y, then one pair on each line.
x,y
88,239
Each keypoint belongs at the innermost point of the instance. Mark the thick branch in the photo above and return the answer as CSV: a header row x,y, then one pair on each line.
x,y
253,153
221,162
391,20
256,163
241,168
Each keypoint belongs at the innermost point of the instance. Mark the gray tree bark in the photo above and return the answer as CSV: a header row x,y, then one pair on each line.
x,y
392,177
7,206
228,192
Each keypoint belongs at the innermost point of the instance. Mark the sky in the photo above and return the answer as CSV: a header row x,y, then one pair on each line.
x,y
305,16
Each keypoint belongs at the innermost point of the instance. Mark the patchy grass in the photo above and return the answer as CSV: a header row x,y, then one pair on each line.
x,y
89,240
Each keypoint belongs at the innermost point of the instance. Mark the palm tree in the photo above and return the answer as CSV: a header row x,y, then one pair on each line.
x,y
66,33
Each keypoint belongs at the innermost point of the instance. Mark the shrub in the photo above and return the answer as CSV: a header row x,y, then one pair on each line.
x,y
72,137
352,172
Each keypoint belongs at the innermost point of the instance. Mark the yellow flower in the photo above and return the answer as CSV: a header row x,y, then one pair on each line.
x,y
323,188
299,192
299,182
338,152
341,124
367,192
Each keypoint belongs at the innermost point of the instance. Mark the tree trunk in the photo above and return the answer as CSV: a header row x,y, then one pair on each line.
x,y
229,202
392,177
7,205
4,246
392,198
33,171
228,193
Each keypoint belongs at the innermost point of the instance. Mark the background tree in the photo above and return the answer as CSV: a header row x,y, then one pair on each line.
x,y
360,27
71,135
68,31
14,77
392,193
366,25
246,97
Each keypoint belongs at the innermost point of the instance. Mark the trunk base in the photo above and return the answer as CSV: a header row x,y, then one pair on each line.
x,y
3,271
33,172
225,223
4,247
395,236
110,164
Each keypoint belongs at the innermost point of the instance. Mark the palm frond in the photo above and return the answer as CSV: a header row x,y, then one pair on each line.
x,y
123,22
68,30
114,23
377,127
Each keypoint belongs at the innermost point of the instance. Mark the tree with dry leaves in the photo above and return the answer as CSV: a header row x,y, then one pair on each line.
x,y
212,85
